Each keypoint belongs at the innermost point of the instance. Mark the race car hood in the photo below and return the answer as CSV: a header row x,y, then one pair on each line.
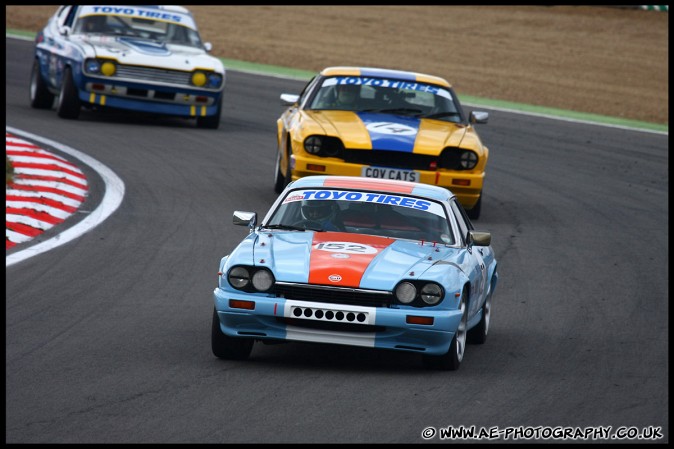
x,y
134,51
343,259
378,131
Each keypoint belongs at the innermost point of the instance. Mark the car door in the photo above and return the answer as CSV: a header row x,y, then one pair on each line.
x,y
476,260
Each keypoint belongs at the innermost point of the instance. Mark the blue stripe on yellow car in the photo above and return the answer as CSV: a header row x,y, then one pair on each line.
x,y
377,73
392,133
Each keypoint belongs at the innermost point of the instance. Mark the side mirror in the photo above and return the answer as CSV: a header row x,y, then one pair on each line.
x,y
242,218
479,238
208,46
65,30
289,99
479,117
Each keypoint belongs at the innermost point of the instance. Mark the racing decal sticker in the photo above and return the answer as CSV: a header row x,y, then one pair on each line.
x,y
382,82
366,197
398,134
345,248
340,256
146,12
362,249
394,129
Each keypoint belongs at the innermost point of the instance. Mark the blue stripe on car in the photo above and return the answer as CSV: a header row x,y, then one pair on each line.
x,y
386,73
390,132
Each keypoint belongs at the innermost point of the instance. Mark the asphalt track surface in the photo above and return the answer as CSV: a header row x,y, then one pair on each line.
x,y
108,336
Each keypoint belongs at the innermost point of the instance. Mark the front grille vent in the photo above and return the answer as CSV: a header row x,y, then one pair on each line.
x,y
150,74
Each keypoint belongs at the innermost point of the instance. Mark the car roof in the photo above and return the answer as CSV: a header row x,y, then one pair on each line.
x,y
374,184
384,73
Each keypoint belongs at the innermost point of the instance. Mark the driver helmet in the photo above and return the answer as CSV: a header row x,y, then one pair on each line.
x,y
95,24
347,93
315,210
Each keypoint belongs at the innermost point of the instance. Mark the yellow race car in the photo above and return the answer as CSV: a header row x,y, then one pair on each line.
x,y
380,123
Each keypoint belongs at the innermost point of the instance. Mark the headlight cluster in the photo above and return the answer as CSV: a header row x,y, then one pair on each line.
x,y
211,80
250,279
419,293
108,67
458,159
105,67
324,146
468,160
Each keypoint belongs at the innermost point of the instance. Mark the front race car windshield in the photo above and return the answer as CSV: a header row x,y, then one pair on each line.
x,y
383,95
138,27
363,212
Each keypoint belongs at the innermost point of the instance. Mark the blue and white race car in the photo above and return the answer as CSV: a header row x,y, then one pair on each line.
x,y
142,58
361,262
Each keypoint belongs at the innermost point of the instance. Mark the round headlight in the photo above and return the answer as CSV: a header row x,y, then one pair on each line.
x,y
238,277
468,160
108,68
92,66
331,150
198,79
263,280
405,292
312,144
214,80
431,294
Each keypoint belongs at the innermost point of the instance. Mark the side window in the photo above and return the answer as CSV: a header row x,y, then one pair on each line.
x,y
63,15
67,16
462,220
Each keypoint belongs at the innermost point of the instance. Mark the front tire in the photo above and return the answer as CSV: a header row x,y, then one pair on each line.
x,y
454,356
229,348
280,181
478,334
68,105
40,97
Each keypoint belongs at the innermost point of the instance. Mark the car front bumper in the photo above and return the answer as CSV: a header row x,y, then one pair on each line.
x,y
377,327
184,104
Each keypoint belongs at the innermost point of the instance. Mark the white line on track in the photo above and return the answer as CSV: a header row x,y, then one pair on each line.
x,y
112,198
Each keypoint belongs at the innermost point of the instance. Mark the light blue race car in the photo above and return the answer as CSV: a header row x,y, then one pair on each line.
x,y
361,262
142,58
